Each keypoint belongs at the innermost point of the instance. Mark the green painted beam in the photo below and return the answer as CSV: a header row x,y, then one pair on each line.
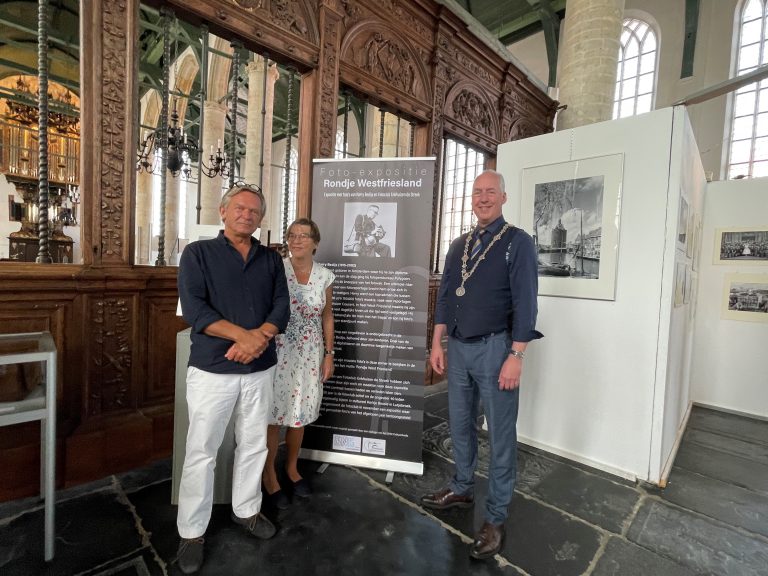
x,y
531,22
33,71
689,42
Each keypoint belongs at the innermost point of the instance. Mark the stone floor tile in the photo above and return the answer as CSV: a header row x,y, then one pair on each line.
x,y
590,497
750,449
90,530
728,424
702,544
349,526
622,558
725,502
723,466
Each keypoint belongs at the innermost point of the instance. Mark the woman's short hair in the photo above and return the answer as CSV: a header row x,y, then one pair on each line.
x,y
314,231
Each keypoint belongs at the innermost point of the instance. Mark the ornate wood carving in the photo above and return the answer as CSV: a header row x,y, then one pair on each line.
x,y
469,106
288,14
160,325
110,371
113,129
329,85
379,60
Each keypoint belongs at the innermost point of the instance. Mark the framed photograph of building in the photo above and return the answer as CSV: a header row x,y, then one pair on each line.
x,y
742,246
745,297
572,211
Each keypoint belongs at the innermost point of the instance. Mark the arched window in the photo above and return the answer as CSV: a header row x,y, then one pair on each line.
x,y
636,74
748,154
461,165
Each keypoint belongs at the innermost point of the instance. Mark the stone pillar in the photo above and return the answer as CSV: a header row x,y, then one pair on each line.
x,y
213,135
589,57
258,170
143,217
172,186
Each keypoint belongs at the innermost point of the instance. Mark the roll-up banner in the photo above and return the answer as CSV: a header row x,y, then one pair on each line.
x,y
375,217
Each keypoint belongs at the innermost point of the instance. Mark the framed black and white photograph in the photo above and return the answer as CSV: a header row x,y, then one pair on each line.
x,y
679,283
572,211
745,297
682,224
696,244
742,246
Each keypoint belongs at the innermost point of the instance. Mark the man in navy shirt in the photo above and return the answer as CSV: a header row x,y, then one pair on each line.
x,y
234,295
486,306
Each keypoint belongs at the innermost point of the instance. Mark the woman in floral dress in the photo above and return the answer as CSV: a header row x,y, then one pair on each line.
x,y
304,357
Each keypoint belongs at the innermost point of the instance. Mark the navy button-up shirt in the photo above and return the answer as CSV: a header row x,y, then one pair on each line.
x,y
501,294
215,283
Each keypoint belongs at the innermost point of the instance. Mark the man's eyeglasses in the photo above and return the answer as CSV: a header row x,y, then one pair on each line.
x,y
303,236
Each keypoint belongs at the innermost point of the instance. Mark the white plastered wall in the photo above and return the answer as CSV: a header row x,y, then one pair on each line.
x,y
595,388
730,370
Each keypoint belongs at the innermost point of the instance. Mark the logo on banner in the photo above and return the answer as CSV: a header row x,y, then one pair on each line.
x,y
374,446
347,443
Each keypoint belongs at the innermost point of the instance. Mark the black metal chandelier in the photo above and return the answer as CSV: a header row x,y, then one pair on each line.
x,y
180,150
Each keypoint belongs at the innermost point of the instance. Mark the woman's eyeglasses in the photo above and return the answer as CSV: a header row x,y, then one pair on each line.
x,y
303,236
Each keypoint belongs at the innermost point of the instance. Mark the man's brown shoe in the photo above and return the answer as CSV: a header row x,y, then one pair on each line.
x,y
488,541
446,498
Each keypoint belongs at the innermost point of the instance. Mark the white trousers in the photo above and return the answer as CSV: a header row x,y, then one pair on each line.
x,y
211,399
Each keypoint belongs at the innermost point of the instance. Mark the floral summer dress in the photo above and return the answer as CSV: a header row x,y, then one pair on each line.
x,y
300,350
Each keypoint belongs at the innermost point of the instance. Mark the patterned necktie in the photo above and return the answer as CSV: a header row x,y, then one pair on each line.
x,y
478,245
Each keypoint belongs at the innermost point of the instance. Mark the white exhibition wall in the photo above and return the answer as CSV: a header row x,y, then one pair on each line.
x,y
595,388
730,370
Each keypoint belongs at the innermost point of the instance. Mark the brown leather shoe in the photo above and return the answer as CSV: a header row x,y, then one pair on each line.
x,y
446,498
488,541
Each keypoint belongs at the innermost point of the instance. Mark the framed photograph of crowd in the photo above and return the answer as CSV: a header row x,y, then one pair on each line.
x,y
572,211
745,297
742,246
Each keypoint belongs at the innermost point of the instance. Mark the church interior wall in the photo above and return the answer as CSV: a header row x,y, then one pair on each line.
x,y
729,367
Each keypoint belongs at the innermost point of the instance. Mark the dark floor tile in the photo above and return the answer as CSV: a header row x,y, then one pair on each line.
x,y
702,544
540,540
438,440
437,404
723,466
430,421
622,558
587,496
347,527
13,508
141,477
749,449
725,502
142,563
729,424
90,531
544,541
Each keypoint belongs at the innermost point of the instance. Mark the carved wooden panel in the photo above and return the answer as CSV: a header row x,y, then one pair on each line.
x,y
116,107
287,29
381,61
327,99
159,326
472,114
112,342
